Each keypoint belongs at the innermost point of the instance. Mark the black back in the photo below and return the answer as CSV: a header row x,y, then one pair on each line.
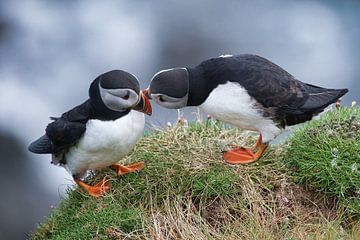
x,y
281,96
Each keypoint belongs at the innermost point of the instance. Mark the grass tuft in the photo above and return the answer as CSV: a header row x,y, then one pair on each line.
x,y
325,156
187,191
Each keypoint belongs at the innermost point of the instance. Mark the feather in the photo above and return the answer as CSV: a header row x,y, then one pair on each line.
x,y
41,146
320,99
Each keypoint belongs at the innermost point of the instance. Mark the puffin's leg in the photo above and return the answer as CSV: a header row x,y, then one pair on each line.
x,y
258,142
243,149
245,155
122,169
98,190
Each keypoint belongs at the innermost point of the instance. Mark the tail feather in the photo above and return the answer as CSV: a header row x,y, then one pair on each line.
x,y
41,146
320,98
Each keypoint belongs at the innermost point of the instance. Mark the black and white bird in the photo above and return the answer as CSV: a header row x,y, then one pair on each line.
x,y
99,132
247,91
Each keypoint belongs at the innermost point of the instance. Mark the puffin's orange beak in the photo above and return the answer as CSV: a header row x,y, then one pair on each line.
x,y
147,109
144,105
147,93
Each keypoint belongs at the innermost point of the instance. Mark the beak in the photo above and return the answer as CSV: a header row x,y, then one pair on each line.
x,y
144,104
147,93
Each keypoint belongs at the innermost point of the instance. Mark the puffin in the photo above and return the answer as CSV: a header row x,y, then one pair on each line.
x,y
247,91
99,132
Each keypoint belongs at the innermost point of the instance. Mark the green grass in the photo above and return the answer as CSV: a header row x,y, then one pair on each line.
x,y
187,191
325,156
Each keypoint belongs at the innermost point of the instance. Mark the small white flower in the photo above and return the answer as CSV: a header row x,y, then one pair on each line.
x,y
354,167
353,103
168,124
286,220
358,192
334,152
330,132
342,231
333,162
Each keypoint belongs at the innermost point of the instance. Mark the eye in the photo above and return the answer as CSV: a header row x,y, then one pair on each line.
x,y
126,97
161,99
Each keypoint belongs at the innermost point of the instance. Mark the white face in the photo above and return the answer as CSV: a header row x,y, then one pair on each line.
x,y
169,102
119,99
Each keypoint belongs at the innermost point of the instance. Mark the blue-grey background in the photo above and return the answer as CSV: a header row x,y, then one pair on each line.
x,y
51,50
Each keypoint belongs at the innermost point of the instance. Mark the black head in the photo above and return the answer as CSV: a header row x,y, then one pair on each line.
x,y
119,91
170,88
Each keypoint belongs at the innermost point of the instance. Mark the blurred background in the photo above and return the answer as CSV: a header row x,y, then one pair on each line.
x,y
51,50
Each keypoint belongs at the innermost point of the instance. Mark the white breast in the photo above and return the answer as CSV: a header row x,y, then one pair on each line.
x,y
231,103
105,143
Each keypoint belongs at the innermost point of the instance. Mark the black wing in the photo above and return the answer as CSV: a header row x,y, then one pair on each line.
x,y
63,132
60,135
43,145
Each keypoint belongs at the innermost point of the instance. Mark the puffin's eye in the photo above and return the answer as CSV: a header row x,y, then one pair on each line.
x,y
126,97
161,99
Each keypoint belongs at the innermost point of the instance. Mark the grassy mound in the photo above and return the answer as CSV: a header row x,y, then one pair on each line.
x,y
325,156
186,191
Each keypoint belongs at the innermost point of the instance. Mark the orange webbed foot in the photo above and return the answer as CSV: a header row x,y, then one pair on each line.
x,y
98,190
241,155
122,169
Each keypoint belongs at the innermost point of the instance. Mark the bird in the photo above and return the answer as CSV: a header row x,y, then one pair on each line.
x,y
99,132
245,90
